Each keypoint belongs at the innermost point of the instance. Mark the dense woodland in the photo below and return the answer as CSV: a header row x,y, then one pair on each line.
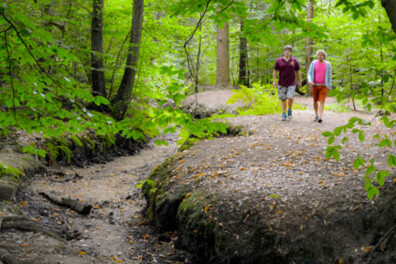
x,y
78,68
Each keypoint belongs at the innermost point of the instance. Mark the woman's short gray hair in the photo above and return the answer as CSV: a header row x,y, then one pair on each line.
x,y
321,51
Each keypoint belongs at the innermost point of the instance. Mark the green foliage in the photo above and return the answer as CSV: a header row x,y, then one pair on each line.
x,y
357,9
370,181
197,129
258,100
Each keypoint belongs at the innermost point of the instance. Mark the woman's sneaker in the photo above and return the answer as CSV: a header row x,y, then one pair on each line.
x,y
316,119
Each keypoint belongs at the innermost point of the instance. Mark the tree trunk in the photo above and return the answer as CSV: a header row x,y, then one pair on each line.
x,y
223,57
243,60
308,45
98,78
123,97
390,8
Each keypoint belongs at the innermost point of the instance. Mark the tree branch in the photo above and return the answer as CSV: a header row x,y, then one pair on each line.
x,y
10,74
226,7
189,60
116,65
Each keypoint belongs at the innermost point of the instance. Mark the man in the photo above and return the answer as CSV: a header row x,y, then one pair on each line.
x,y
287,67
319,78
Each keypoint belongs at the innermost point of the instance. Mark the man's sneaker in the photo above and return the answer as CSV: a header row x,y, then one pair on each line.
x,y
316,119
289,114
284,117
320,120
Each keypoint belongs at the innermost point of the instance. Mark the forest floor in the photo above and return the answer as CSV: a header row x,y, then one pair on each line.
x,y
279,165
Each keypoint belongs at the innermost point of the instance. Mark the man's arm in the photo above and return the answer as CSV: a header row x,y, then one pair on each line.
x,y
299,78
274,74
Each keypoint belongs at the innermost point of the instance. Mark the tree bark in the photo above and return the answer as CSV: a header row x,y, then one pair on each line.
x,y
223,57
308,45
98,78
123,97
390,8
243,60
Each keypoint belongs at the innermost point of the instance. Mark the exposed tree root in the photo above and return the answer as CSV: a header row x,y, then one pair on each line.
x,y
73,204
21,223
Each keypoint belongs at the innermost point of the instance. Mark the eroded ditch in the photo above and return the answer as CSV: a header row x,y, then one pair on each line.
x,y
114,231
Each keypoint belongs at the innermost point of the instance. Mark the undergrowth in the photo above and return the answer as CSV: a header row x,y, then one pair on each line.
x,y
258,100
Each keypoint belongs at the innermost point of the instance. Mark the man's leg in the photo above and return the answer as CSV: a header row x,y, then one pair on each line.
x,y
290,103
284,110
282,96
284,106
290,99
289,110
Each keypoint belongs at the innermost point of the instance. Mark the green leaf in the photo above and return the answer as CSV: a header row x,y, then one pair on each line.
x,y
372,191
327,134
98,100
391,161
42,153
330,140
386,142
361,136
337,130
370,169
336,154
358,163
353,120
380,177
344,140
386,121
161,142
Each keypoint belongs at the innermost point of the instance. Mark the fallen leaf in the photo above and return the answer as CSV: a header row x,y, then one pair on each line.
x,y
181,161
82,253
279,212
367,249
207,208
25,245
341,261
188,195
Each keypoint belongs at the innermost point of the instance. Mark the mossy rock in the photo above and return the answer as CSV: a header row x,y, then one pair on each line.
x,y
26,164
